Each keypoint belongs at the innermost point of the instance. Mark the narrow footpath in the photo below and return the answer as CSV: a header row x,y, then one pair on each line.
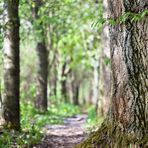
x,y
67,135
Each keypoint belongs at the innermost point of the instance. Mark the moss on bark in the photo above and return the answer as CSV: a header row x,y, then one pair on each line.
x,y
113,136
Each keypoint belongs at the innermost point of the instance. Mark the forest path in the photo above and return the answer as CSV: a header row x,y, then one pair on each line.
x,y
67,135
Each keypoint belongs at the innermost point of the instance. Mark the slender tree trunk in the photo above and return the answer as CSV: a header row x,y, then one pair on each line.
x,y
95,98
55,81
10,101
76,94
41,101
42,77
105,68
64,83
75,87
53,78
127,121
64,90
105,72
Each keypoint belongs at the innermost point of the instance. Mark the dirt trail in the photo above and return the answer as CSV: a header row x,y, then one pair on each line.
x,y
67,135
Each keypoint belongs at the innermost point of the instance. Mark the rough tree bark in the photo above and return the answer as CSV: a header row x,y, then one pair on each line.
x,y
42,73
42,77
10,100
127,121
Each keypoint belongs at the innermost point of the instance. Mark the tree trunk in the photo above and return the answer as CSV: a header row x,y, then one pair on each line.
x,y
42,77
95,98
75,94
64,90
129,54
53,78
55,81
63,83
105,68
10,101
127,121
75,85
42,53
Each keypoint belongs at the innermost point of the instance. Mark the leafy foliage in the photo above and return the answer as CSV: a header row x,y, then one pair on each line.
x,y
70,38
126,16
93,120
32,123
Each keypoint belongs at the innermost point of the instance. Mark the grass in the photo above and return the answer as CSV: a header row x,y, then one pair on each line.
x,y
32,122
93,120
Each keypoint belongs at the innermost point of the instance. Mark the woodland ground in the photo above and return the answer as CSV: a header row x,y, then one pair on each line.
x,y
66,135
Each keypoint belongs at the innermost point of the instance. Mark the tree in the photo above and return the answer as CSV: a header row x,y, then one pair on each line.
x,y
127,122
76,80
105,68
42,77
96,80
42,52
64,82
10,101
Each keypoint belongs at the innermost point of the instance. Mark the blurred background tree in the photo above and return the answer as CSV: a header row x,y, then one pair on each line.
x,y
74,46
64,61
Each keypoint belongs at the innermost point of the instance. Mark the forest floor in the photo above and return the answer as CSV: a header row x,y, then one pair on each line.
x,y
67,135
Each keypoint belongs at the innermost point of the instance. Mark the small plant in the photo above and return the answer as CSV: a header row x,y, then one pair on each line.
x,y
32,123
19,139
93,119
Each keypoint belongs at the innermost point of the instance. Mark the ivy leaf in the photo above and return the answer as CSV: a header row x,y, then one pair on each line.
x,y
144,13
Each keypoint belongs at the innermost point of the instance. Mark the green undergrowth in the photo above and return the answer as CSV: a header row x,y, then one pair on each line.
x,y
32,122
94,120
